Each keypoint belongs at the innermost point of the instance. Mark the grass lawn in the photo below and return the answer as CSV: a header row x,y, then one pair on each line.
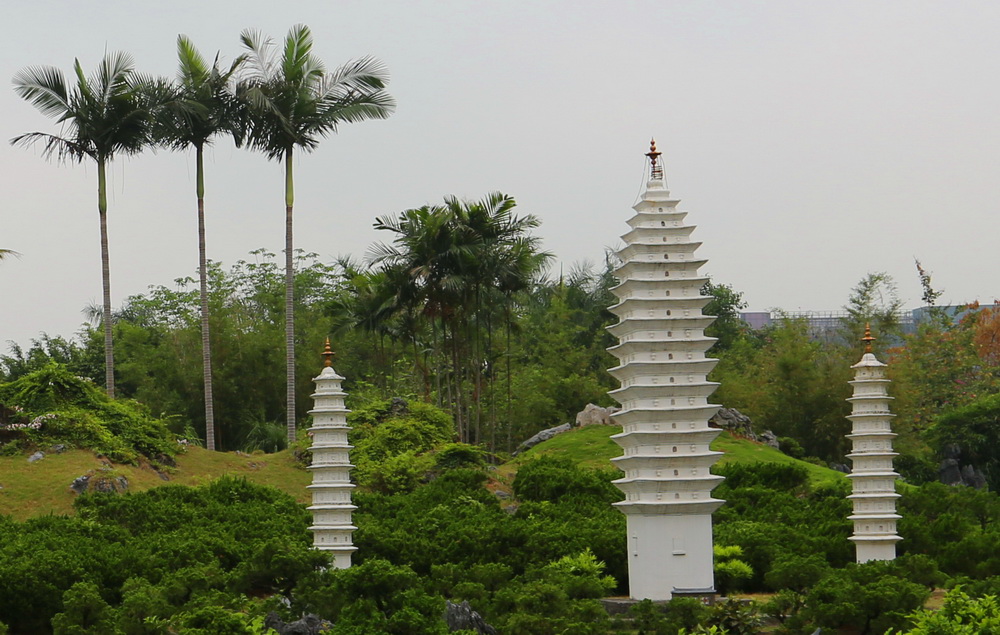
x,y
42,487
592,446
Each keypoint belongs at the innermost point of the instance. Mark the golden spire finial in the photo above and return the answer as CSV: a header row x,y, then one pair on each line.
x,y
868,338
655,169
327,355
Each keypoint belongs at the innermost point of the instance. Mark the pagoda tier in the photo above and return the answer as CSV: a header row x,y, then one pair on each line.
x,y
663,370
331,487
872,476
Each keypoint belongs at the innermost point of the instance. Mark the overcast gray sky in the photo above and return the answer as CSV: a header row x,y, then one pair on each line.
x,y
811,142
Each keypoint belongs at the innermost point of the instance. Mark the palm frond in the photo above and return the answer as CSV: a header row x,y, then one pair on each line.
x,y
192,68
113,74
53,145
297,61
260,55
45,88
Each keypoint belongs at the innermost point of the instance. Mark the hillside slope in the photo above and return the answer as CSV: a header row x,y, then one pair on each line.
x,y
42,487
592,446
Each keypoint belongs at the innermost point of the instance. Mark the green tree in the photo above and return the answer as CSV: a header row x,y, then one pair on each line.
x,y
960,615
203,107
454,264
84,611
293,103
875,302
103,115
973,428
725,305
7,253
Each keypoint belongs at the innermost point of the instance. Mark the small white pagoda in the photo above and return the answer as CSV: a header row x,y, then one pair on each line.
x,y
331,467
664,396
872,477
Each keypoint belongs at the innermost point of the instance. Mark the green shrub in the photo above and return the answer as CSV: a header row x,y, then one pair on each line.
x,y
557,479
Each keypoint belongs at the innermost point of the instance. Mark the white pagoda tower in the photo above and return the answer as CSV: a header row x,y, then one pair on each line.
x,y
872,478
331,467
664,396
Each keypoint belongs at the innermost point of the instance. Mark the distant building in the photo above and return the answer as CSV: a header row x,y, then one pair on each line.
x,y
826,325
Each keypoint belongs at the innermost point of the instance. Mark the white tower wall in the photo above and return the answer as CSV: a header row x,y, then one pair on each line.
x,y
331,486
664,395
872,477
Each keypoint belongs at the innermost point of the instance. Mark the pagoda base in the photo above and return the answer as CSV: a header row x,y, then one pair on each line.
x,y
868,549
669,553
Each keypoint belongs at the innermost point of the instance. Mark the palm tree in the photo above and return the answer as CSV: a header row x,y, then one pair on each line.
x,y
103,115
201,107
457,263
293,103
5,253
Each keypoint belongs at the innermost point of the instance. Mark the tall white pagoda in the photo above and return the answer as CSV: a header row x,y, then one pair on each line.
x,y
872,477
331,468
664,396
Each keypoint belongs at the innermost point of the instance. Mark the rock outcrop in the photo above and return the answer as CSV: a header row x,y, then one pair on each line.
x,y
593,415
461,617
544,435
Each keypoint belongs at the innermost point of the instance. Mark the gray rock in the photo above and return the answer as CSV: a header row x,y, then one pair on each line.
x,y
461,617
952,451
972,478
165,459
309,624
950,473
592,415
840,467
37,456
544,435
501,494
769,439
398,407
58,448
734,422
80,484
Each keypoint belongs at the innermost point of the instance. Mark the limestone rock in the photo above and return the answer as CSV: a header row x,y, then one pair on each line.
x,y
953,472
37,456
165,459
950,473
972,477
309,624
461,617
398,407
544,435
592,415
734,422
99,483
769,439
80,484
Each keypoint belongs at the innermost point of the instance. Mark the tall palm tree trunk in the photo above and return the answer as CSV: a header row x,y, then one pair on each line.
x,y
289,302
102,208
206,349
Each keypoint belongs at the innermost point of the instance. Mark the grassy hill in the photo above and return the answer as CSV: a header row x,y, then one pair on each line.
x,y
592,446
42,487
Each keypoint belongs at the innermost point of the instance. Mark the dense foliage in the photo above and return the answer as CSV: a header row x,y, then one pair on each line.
x,y
217,558
51,406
